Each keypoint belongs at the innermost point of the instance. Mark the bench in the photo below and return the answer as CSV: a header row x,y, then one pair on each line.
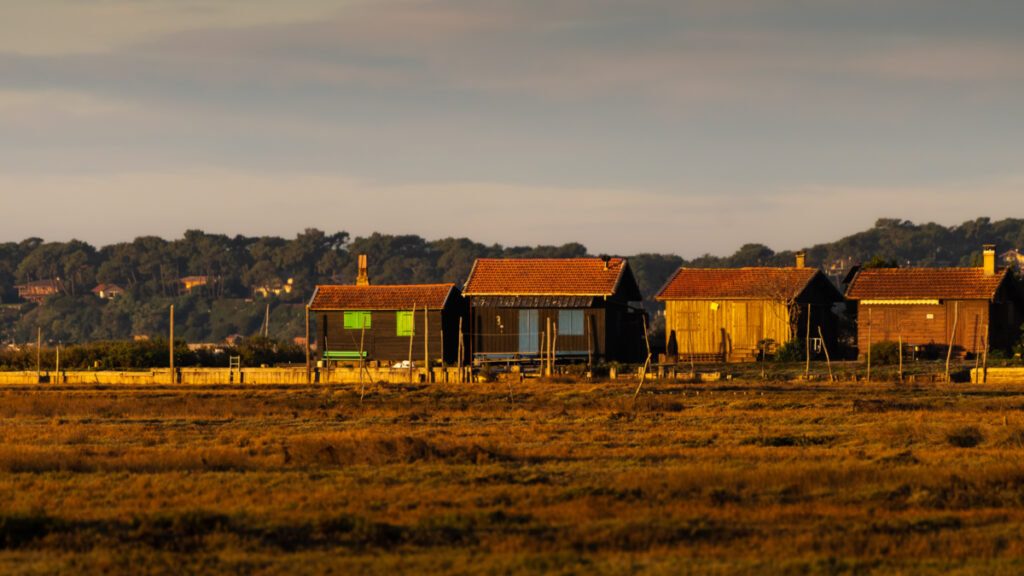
x,y
342,354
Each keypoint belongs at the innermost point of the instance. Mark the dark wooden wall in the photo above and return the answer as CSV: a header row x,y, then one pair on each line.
x,y
878,322
496,331
382,343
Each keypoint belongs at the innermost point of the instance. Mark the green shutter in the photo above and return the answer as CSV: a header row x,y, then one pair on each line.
x,y
357,320
404,323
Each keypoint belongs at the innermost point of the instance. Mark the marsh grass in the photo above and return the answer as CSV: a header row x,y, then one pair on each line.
x,y
801,478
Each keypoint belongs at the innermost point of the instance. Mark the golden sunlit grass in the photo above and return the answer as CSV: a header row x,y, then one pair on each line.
x,y
571,478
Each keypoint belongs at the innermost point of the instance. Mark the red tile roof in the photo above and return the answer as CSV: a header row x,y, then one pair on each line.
x,y
380,297
924,283
744,283
545,276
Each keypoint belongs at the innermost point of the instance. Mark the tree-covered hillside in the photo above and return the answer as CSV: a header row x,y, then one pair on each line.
x,y
243,269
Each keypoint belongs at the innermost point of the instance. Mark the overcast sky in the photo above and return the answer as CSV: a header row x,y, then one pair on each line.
x,y
630,126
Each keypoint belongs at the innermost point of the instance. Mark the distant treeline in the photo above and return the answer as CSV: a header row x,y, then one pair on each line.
x,y
128,355
151,269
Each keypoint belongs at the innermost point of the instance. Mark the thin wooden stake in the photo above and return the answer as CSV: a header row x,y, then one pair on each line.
x,y
461,379
309,366
952,338
547,350
869,344
807,344
57,367
362,363
172,344
590,354
824,347
426,344
39,352
984,363
901,355
412,334
554,346
643,373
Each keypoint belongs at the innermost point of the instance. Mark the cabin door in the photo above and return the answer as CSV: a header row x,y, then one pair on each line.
x,y
529,332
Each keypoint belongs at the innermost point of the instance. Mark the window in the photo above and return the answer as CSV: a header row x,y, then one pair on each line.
x,y
570,322
357,320
404,322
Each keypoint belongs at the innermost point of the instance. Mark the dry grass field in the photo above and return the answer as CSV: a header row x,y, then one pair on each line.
x,y
571,478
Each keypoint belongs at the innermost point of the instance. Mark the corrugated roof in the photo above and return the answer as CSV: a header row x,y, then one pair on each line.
x,y
700,283
545,276
924,283
380,297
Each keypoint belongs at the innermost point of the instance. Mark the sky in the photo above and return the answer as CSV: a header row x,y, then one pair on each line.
x,y
672,126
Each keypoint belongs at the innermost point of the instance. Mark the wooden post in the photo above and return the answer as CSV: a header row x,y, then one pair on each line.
x,y
554,345
412,334
807,344
977,358
643,373
309,366
426,344
689,341
869,344
39,352
460,350
984,363
548,348
824,347
901,355
57,365
362,364
588,331
172,345
952,338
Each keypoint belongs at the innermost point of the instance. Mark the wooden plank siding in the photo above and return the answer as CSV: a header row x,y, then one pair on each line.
x,y
382,342
496,331
727,329
926,325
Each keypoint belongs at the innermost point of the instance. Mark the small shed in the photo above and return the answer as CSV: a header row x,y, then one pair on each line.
x,y
580,305
932,308
382,320
730,314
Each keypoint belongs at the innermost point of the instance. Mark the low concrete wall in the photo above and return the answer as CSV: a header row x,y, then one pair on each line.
x,y
1014,375
225,376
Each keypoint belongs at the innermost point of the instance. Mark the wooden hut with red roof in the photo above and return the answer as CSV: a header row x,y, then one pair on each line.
x,y
932,307
585,301
381,320
727,314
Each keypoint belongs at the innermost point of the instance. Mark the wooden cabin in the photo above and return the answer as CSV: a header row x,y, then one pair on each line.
x,y
931,308
381,320
580,305
729,314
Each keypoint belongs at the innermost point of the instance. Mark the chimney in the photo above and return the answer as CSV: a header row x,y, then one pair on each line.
x,y
605,258
364,278
801,259
989,253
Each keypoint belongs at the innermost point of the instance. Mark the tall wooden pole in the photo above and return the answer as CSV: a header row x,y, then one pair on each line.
x,y
39,352
807,344
548,349
460,350
643,373
426,343
901,355
984,363
412,334
362,364
824,347
172,344
309,367
952,338
869,344
57,367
